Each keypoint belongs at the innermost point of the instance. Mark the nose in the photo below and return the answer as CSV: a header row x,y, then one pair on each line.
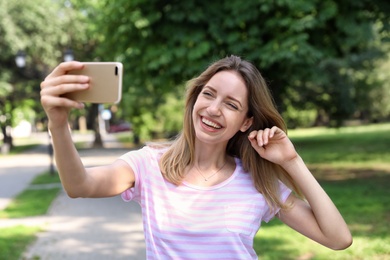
x,y
214,108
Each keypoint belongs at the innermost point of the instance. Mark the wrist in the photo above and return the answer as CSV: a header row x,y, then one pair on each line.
x,y
293,163
58,127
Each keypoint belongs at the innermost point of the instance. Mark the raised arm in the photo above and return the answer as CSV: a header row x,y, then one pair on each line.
x,y
318,218
102,181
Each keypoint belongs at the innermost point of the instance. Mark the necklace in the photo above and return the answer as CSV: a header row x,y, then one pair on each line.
x,y
209,177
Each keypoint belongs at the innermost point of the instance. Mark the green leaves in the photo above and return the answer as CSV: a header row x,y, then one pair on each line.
x,y
42,30
321,51
163,44
5,88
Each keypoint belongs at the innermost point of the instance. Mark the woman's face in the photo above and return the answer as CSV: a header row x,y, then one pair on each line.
x,y
220,110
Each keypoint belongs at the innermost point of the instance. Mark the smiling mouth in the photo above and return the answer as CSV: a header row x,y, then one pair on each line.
x,y
210,123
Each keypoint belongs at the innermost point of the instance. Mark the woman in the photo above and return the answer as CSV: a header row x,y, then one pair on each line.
x,y
204,196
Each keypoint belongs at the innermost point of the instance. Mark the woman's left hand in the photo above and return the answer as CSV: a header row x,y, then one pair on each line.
x,y
273,145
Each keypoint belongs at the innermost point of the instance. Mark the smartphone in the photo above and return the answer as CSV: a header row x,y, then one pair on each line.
x,y
105,83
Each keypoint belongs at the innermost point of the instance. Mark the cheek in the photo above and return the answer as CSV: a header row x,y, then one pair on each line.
x,y
199,104
240,122
195,110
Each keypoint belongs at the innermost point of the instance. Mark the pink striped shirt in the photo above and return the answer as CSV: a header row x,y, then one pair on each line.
x,y
191,222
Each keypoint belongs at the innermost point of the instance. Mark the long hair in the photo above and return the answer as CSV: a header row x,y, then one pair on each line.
x,y
261,107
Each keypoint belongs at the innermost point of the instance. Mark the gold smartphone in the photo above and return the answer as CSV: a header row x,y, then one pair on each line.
x,y
105,83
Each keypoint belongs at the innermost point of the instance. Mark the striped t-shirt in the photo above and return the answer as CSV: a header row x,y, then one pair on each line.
x,y
191,222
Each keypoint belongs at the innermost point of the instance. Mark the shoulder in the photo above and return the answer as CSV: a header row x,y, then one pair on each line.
x,y
241,171
147,152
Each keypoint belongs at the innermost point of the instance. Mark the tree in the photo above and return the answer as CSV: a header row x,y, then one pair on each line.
x,y
23,26
309,51
43,30
86,35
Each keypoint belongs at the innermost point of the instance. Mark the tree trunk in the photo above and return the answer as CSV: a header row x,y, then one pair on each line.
x,y
7,140
94,119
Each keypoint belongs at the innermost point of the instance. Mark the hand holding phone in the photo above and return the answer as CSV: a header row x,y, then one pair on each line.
x,y
105,83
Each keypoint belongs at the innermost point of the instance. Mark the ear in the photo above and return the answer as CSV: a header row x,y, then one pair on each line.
x,y
247,123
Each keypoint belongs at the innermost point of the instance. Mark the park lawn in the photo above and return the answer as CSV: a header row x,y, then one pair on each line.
x,y
46,178
348,147
365,205
31,202
13,240
35,200
353,166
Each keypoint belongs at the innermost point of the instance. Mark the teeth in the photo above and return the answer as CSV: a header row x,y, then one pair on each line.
x,y
209,123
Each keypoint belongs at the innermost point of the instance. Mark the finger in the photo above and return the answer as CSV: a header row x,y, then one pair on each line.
x,y
273,131
259,149
276,130
265,136
252,134
64,67
253,137
255,144
257,137
63,89
50,82
51,101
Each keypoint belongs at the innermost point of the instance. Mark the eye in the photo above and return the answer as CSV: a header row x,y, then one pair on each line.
x,y
232,105
207,93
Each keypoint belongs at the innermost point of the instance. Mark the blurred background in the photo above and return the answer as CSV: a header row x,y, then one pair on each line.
x,y
327,62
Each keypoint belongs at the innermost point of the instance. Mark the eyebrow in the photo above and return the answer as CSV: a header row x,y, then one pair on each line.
x,y
229,97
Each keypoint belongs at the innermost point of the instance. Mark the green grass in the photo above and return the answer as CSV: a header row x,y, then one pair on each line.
x,y
14,239
46,178
353,166
31,202
365,205
350,146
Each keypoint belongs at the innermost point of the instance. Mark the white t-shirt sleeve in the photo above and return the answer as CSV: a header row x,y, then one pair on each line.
x,y
138,161
284,192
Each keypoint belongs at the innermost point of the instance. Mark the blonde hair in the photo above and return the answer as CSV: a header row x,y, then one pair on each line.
x,y
265,115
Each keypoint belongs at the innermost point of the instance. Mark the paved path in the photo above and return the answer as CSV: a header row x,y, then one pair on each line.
x,y
90,229
17,171
76,228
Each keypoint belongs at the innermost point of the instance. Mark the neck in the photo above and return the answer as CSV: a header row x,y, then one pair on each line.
x,y
209,156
